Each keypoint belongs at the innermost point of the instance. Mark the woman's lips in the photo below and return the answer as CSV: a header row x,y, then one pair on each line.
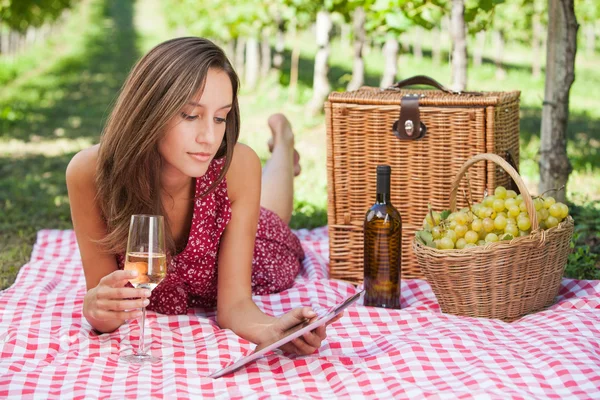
x,y
203,157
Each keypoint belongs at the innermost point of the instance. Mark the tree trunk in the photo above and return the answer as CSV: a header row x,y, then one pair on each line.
x,y
367,47
45,32
446,38
390,54
459,42
18,44
240,44
560,75
479,47
229,49
536,65
590,38
321,86
265,54
358,67
279,43
252,63
436,47
22,42
12,43
293,88
9,42
346,32
30,36
404,42
499,59
418,44
5,40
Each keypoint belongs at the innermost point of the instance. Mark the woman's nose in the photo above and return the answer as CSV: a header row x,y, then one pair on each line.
x,y
206,132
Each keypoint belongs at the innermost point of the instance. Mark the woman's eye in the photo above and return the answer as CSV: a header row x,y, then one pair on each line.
x,y
220,120
188,117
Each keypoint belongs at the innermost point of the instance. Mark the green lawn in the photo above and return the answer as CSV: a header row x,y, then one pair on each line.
x,y
55,101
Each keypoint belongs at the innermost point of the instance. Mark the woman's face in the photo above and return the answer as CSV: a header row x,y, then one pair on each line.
x,y
194,135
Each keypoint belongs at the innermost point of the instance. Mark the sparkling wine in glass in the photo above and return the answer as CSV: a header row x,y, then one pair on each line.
x,y
146,255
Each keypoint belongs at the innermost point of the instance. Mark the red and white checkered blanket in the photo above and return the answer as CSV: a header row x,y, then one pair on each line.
x,y
49,351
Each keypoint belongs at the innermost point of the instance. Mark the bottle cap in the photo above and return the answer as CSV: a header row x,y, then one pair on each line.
x,y
384,169
384,173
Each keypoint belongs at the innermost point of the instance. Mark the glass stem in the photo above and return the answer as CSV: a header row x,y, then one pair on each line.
x,y
143,323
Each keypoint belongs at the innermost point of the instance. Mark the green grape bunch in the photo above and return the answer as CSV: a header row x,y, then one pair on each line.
x,y
501,216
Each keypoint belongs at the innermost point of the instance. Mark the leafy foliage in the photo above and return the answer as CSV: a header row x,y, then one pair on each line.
x,y
386,18
587,11
515,18
19,15
226,20
584,260
301,12
308,216
478,13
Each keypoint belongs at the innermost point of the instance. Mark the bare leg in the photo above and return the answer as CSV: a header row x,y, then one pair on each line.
x,y
277,192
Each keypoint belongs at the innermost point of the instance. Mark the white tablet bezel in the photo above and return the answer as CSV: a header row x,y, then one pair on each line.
x,y
290,334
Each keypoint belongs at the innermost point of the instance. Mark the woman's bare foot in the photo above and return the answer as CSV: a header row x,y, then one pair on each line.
x,y
283,135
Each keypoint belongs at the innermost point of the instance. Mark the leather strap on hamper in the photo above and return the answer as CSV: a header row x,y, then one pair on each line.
x,y
427,81
409,126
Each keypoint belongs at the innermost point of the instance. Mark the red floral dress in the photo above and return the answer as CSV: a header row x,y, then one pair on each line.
x,y
191,279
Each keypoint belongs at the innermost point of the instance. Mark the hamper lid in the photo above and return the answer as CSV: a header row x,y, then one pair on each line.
x,y
427,97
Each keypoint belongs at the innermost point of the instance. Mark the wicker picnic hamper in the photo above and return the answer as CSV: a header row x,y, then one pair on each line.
x,y
361,134
504,280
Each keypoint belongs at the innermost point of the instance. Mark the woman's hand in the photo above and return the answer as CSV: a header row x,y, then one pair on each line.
x,y
307,343
112,301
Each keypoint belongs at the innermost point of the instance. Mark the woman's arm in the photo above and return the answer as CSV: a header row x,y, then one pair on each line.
x,y
103,305
235,308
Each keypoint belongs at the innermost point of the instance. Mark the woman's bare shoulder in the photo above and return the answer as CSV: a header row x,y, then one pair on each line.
x,y
82,167
244,172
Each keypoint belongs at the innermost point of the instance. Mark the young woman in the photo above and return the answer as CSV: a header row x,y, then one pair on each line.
x,y
170,148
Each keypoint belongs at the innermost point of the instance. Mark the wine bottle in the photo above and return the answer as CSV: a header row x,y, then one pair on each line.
x,y
382,247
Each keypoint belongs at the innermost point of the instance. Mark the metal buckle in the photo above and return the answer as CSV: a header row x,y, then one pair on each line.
x,y
409,127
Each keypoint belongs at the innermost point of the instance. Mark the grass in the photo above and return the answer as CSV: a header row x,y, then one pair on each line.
x,y
57,100
47,118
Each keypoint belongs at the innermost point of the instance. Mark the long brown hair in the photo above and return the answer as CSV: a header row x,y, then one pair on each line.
x,y
129,164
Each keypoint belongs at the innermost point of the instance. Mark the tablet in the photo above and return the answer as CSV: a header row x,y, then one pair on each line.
x,y
290,334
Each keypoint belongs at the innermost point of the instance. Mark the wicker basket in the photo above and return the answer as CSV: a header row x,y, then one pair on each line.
x,y
359,137
503,280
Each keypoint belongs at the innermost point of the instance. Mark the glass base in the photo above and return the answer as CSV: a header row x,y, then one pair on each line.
x,y
140,359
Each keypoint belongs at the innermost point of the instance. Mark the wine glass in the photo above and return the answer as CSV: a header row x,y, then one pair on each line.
x,y
146,255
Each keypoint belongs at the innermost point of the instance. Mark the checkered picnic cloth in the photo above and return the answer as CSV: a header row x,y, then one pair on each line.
x,y
48,349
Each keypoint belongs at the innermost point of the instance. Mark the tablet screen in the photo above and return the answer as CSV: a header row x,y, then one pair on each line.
x,y
290,334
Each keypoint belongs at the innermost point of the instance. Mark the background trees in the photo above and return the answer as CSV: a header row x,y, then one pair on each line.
x,y
25,21
248,29
560,74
